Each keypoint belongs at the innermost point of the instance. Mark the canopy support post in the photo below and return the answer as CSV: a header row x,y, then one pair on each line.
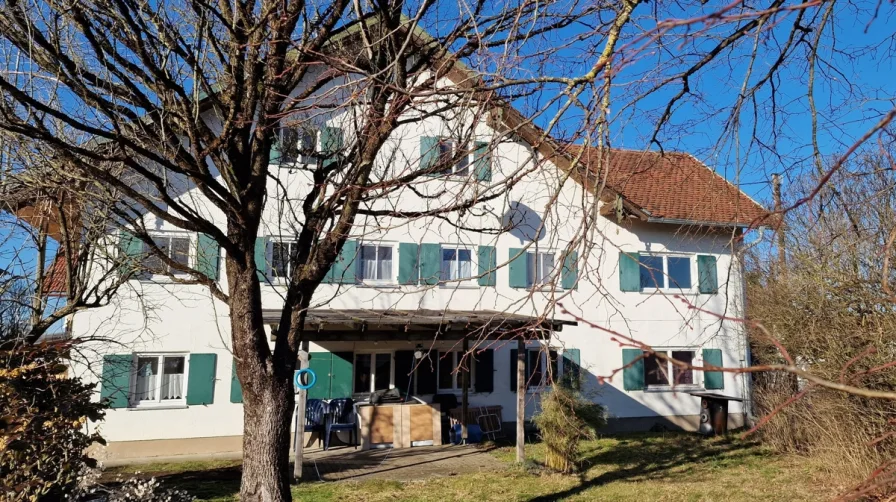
x,y
300,419
520,399
465,384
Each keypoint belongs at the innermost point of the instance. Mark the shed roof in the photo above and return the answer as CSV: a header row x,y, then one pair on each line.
x,y
396,324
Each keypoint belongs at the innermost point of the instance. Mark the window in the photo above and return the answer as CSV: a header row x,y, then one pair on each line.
x,y
159,379
539,267
373,372
297,144
657,371
457,264
455,163
449,379
537,365
176,247
665,272
375,265
281,265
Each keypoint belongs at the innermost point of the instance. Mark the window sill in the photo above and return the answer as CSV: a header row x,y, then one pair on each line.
x,y
379,285
669,292
458,285
678,388
173,406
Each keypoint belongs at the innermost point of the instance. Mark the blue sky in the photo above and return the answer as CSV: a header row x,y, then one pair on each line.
x,y
849,99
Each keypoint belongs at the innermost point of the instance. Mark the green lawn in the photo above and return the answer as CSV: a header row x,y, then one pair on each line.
x,y
667,467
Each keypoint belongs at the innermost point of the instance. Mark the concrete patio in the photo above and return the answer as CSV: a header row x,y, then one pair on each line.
x,y
404,464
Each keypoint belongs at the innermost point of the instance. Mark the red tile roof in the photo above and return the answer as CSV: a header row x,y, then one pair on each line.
x,y
54,279
670,185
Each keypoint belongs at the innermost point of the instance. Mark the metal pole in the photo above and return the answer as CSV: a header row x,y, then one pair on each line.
x,y
464,402
300,419
520,399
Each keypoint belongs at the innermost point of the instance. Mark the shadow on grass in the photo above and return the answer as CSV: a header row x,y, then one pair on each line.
x,y
639,457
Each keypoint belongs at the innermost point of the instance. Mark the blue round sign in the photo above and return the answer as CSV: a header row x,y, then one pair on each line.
x,y
312,378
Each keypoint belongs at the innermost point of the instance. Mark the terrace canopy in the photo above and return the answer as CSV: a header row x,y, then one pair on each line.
x,y
323,325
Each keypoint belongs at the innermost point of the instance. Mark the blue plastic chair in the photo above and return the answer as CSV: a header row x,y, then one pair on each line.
x,y
342,418
316,417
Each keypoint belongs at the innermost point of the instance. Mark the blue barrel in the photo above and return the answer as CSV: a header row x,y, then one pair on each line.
x,y
474,434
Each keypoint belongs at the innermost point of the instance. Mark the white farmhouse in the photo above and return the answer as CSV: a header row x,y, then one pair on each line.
x,y
653,257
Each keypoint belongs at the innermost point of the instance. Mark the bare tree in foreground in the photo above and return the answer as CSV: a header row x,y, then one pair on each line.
x,y
140,79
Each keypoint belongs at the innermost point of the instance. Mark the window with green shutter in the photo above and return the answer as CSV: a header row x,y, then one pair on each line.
x,y
518,268
207,256
115,382
488,264
201,379
707,274
633,369
331,145
713,380
236,389
408,263
261,257
569,276
629,272
430,263
482,162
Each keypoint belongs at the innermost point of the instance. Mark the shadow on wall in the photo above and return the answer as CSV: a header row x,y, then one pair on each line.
x,y
627,414
523,223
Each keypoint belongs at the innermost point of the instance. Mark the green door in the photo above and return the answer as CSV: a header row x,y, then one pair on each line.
x,y
320,363
341,375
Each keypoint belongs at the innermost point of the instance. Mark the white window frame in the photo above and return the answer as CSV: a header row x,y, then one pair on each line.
x,y
373,354
452,170
359,270
534,255
474,266
544,353
158,402
191,253
300,158
663,274
455,376
696,375
269,252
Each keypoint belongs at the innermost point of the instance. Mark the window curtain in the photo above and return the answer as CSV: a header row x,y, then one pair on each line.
x,y
147,369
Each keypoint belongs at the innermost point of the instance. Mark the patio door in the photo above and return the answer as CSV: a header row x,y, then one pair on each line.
x,y
334,375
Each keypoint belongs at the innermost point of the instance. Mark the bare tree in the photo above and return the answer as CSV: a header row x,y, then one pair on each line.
x,y
170,112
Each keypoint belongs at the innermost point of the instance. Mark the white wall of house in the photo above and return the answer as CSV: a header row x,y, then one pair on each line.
x,y
160,317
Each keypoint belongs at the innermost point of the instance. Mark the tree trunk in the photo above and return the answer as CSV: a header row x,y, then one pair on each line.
x,y
268,397
266,434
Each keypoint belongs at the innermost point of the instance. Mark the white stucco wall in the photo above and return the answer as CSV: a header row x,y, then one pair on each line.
x,y
158,317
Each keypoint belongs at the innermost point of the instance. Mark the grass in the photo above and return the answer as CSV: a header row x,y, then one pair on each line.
x,y
665,467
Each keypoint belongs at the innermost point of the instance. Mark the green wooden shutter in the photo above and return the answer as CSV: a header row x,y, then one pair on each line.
x,y
488,263
482,162
485,371
633,374
275,145
201,379
115,383
236,389
517,268
629,272
713,380
404,363
331,143
707,274
341,374
429,154
130,249
207,256
261,260
569,276
321,363
344,269
430,263
408,269
572,368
